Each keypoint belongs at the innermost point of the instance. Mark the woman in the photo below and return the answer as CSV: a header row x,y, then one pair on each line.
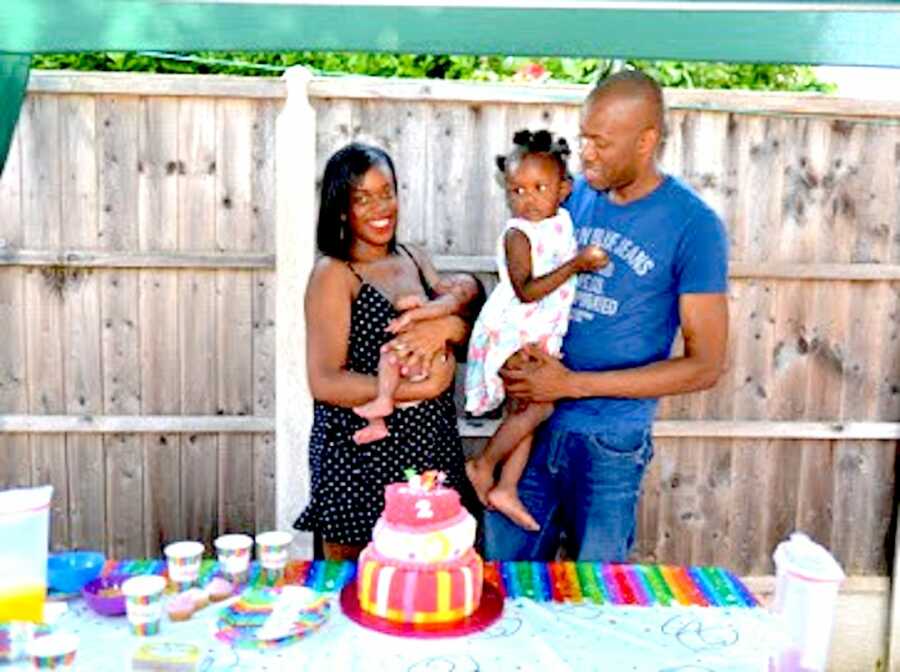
x,y
349,303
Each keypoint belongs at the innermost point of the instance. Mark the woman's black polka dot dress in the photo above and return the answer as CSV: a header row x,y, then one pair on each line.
x,y
348,480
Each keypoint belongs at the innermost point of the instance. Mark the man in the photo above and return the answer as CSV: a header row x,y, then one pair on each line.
x,y
668,268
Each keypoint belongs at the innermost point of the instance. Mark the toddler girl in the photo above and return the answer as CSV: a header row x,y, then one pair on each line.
x,y
537,259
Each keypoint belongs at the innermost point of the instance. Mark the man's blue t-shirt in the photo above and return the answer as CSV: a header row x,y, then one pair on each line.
x,y
625,315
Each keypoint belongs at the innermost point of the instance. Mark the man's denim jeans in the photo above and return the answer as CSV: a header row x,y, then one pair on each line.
x,y
585,486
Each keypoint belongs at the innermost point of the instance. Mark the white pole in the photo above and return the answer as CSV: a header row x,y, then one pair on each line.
x,y
295,164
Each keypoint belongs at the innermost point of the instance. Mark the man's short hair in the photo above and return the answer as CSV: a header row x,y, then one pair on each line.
x,y
633,84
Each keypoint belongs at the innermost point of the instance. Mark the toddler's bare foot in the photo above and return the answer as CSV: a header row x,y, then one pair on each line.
x,y
376,430
482,478
507,502
379,407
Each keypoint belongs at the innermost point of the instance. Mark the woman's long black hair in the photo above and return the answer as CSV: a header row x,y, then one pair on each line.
x,y
344,170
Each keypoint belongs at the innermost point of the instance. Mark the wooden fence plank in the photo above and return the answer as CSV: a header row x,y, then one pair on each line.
x,y
197,313
824,337
39,123
158,220
263,292
15,466
234,306
117,133
81,307
756,208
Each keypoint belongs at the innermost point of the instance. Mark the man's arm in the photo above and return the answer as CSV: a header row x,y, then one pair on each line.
x,y
704,326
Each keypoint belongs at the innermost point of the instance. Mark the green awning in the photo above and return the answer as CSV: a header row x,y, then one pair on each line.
x,y
848,32
13,80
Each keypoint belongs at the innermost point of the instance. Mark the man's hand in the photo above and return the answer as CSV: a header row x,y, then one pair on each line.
x,y
537,376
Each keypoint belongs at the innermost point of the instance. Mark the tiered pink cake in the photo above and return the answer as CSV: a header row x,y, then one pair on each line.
x,y
420,566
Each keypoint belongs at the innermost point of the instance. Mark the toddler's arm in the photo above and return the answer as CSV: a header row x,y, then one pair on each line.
x,y
529,288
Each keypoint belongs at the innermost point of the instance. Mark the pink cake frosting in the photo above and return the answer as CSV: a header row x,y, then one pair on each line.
x,y
405,505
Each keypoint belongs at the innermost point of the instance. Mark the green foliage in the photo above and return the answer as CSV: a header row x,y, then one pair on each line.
x,y
441,66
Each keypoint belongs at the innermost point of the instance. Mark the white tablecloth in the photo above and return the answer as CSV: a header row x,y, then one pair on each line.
x,y
543,637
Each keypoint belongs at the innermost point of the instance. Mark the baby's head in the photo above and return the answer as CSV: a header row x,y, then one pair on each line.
x,y
462,285
535,174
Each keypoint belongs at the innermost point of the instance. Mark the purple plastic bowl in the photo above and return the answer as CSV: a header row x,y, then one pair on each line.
x,y
104,605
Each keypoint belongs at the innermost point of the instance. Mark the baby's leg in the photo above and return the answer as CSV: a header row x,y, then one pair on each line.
x,y
382,405
388,380
512,431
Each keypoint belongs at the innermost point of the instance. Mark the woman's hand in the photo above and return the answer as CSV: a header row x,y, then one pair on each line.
x,y
440,378
538,377
419,343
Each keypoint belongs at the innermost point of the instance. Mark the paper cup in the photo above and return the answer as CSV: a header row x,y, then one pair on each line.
x,y
52,652
272,552
807,580
184,563
234,556
143,603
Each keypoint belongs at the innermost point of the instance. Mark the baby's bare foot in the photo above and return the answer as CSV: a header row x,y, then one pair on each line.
x,y
507,502
376,430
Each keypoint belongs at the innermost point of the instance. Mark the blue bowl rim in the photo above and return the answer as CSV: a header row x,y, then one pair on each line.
x,y
75,560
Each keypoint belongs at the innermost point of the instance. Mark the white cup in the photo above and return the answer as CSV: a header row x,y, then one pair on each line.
x,y
53,652
143,603
807,579
234,552
272,550
184,562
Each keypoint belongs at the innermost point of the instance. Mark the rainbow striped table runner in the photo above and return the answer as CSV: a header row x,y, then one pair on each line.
x,y
599,583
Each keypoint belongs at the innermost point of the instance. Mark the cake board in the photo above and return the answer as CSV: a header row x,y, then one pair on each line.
x,y
489,611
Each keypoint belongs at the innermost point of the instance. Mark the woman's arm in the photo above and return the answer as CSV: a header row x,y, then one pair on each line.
x,y
328,298
529,288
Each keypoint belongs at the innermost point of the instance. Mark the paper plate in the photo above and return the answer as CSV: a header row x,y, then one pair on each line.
x,y
489,610
241,623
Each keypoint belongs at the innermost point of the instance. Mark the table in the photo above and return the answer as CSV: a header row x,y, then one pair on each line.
x,y
534,635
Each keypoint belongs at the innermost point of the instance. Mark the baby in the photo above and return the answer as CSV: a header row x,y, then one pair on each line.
x,y
450,294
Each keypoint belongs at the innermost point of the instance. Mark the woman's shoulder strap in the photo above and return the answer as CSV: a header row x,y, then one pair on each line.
x,y
429,290
354,271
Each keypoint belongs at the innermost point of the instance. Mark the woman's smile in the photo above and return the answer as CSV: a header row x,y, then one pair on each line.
x,y
382,223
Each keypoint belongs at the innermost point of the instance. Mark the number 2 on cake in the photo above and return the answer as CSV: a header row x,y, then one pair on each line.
x,y
423,509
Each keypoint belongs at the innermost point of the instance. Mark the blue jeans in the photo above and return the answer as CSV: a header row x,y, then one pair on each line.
x,y
584,486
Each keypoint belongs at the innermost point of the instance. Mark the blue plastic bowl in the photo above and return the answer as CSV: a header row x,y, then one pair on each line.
x,y
69,572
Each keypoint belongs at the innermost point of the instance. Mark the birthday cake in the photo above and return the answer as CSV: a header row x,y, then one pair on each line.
x,y
420,566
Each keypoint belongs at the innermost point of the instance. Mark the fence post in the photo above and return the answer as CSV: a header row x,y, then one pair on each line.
x,y
295,163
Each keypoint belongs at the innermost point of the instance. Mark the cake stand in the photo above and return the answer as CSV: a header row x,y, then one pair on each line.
x,y
489,610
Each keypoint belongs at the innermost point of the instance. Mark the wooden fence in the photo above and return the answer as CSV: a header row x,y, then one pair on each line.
x,y
140,221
